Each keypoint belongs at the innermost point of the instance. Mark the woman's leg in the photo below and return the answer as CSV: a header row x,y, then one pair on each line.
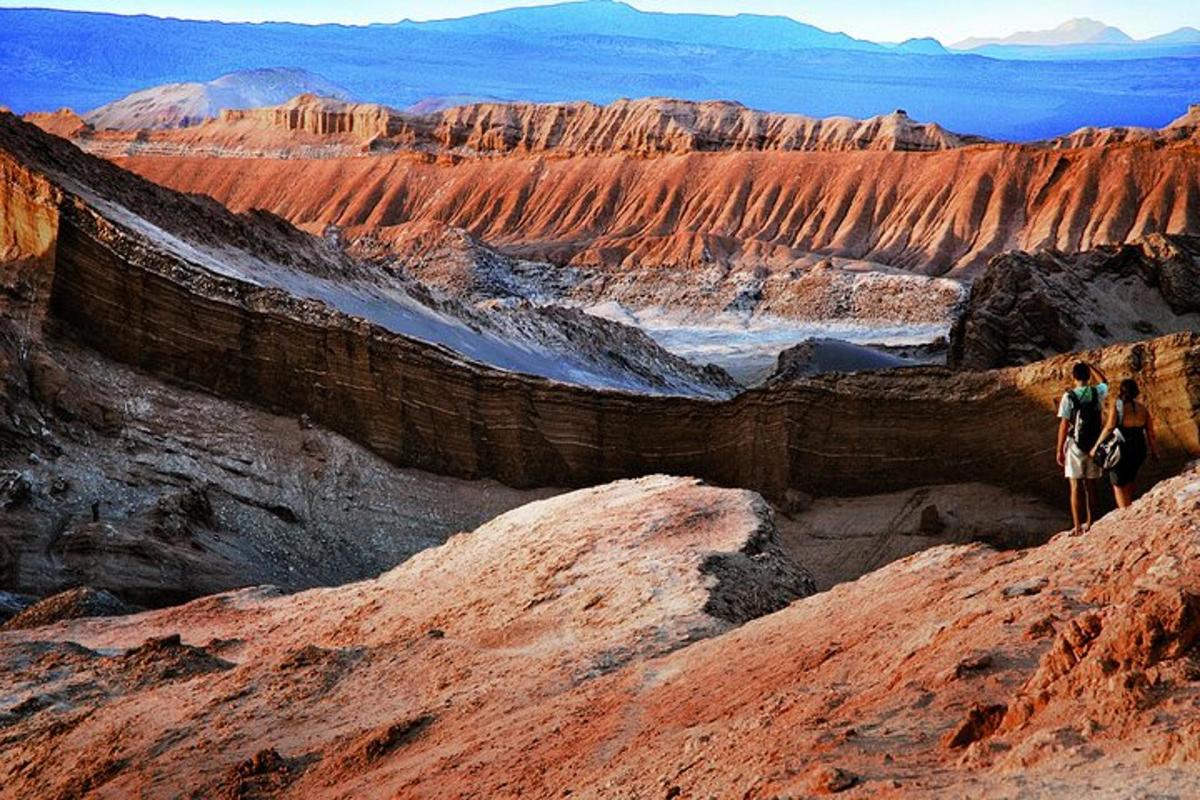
x,y
1124,495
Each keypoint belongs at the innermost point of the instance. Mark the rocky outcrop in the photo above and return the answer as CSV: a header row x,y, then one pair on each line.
x,y
566,590
64,122
1028,306
818,356
573,644
641,128
322,116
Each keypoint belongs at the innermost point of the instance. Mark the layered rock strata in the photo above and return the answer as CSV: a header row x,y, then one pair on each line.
x,y
614,189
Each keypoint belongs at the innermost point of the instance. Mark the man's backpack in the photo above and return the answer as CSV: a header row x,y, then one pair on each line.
x,y
1086,422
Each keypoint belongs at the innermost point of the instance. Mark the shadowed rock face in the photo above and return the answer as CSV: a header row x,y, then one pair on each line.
x,y
570,645
558,183
424,406
111,479
1029,306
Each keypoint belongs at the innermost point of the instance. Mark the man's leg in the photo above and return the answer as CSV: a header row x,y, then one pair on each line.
x,y
1077,501
1093,507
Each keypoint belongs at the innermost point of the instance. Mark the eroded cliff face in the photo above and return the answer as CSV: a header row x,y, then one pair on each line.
x,y
316,115
596,644
423,406
28,237
937,212
638,185
1028,306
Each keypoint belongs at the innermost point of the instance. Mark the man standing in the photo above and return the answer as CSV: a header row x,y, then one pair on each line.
x,y
1080,422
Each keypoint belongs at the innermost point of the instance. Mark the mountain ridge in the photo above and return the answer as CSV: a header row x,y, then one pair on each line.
x,y
1081,30
55,59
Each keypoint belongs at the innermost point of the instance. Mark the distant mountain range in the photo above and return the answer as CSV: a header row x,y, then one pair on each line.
x,y
1082,36
1075,31
600,50
612,18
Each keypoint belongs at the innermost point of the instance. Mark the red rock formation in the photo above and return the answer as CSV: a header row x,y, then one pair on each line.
x,y
573,646
321,116
559,183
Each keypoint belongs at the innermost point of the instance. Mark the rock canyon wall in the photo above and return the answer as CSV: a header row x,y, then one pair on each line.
x,y
638,184
422,405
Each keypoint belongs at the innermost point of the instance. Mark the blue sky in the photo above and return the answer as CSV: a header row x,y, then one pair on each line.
x,y
879,20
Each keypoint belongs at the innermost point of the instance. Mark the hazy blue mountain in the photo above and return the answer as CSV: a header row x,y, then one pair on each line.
x,y
612,18
1088,52
51,59
1083,39
1185,35
922,46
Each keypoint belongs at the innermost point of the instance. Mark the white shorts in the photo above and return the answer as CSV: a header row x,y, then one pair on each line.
x,y
1080,464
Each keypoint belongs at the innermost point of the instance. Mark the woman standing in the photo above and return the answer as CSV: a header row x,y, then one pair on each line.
x,y
1136,425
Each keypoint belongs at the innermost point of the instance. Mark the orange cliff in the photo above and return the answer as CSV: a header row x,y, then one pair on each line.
x,y
645,184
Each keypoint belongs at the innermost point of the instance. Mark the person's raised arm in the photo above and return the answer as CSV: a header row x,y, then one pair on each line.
x,y
1060,451
1098,373
1109,426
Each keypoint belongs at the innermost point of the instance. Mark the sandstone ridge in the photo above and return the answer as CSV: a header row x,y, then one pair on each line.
x,y
644,128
